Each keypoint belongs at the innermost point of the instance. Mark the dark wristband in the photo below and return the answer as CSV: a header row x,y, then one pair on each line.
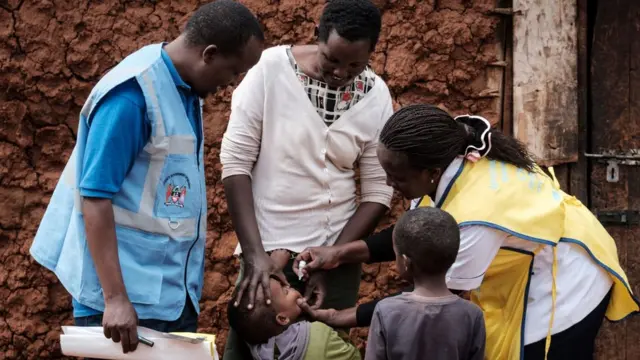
x,y
381,246
364,313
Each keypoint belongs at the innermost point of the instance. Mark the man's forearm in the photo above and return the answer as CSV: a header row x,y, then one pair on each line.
x,y
103,245
239,195
362,223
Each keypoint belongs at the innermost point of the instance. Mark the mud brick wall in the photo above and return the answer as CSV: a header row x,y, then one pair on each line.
x,y
53,51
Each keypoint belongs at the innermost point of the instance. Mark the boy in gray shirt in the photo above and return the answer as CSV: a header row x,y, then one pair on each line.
x,y
430,322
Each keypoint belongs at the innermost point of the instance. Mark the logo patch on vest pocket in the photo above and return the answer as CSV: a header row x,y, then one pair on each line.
x,y
176,185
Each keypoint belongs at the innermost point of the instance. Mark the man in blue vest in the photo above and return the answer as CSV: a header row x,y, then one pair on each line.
x,y
125,229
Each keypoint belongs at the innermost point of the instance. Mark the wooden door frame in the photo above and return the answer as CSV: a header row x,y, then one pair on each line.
x,y
573,177
579,172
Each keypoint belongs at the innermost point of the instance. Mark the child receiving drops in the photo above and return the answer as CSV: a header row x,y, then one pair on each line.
x,y
277,331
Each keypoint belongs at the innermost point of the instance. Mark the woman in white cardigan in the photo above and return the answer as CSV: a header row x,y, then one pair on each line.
x,y
301,121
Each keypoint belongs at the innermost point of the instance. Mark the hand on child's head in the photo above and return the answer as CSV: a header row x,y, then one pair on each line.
x,y
259,295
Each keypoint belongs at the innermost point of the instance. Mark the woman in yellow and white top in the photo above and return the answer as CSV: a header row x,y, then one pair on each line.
x,y
539,264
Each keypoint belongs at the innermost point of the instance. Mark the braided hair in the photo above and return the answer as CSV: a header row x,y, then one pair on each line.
x,y
430,138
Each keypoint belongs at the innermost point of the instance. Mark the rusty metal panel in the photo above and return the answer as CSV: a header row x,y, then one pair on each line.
x,y
615,128
545,89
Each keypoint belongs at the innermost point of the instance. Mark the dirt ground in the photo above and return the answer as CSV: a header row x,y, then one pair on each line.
x,y
52,52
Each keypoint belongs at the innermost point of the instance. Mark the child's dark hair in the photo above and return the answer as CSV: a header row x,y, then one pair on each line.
x,y
430,237
255,326
430,138
353,20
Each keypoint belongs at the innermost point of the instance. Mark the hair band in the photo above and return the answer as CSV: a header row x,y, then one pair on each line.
x,y
473,152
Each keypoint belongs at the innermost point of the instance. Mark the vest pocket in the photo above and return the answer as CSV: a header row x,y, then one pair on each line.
x,y
179,192
141,259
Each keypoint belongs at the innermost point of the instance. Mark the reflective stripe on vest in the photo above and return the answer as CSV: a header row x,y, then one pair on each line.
x,y
160,210
158,147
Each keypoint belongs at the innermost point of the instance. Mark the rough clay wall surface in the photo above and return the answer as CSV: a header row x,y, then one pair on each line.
x,y
52,52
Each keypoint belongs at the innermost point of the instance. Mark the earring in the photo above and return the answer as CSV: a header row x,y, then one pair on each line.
x,y
432,181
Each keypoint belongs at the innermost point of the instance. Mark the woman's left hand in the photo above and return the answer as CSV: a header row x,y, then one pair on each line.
x,y
316,289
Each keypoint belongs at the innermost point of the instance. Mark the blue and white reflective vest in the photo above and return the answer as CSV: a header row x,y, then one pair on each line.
x,y
160,211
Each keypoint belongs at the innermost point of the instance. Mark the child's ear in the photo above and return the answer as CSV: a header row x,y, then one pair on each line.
x,y
282,319
407,263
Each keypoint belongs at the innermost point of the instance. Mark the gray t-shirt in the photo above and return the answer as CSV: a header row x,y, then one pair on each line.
x,y
409,326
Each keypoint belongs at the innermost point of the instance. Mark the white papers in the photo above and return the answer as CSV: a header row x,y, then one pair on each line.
x,y
90,342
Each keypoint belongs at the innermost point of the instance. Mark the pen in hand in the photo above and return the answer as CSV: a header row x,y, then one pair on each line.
x,y
145,341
